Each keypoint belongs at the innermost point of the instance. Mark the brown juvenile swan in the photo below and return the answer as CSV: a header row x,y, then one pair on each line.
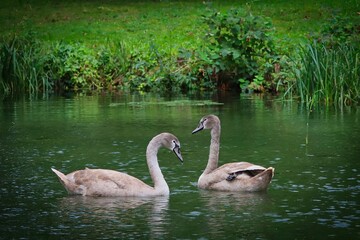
x,y
237,176
102,182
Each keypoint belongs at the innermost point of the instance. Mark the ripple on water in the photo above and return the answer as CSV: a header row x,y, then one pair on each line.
x,y
340,188
194,214
277,218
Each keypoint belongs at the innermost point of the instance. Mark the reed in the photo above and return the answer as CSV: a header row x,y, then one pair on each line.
x,y
329,76
21,65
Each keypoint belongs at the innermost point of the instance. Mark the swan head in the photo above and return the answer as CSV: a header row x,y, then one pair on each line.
x,y
207,122
171,142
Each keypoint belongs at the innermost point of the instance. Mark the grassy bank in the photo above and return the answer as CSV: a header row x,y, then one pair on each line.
x,y
171,24
161,45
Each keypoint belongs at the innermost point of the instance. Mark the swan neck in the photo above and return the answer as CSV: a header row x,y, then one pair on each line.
x,y
214,149
157,177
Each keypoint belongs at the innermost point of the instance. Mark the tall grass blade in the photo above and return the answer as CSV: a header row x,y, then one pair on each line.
x,y
328,76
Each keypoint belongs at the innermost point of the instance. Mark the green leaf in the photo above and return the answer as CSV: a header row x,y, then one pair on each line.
x,y
236,54
224,52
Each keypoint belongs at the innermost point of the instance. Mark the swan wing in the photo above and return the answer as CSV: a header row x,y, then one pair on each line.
x,y
243,166
240,167
230,171
245,177
103,182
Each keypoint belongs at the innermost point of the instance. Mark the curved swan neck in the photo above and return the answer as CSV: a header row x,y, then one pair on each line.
x,y
214,149
154,168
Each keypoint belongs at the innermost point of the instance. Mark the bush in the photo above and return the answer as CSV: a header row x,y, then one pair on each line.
x,y
241,48
113,61
156,71
339,30
74,66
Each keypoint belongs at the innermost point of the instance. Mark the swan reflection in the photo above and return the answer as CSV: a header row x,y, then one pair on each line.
x,y
236,200
130,213
229,209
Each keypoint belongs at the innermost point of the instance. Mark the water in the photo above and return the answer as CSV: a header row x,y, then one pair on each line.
x,y
314,194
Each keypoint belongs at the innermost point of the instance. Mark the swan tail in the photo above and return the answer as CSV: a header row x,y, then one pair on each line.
x,y
270,171
70,187
62,177
267,174
262,180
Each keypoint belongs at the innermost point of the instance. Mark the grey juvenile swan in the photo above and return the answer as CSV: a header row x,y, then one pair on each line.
x,y
237,176
103,182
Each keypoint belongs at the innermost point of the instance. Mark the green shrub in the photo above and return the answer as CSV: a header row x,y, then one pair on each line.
x,y
113,64
75,66
241,48
339,30
157,71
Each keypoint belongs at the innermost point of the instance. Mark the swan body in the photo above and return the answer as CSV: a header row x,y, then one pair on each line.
x,y
104,182
237,176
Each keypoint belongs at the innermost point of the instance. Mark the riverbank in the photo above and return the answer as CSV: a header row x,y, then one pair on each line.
x,y
161,46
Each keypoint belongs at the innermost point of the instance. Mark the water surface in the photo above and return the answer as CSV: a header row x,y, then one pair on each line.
x,y
314,194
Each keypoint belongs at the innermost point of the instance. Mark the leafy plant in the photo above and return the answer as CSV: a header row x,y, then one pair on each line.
x,y
76,65
113,64
241,47
339,30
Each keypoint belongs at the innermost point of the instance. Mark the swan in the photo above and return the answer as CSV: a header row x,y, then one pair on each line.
x,y
236,176
103,182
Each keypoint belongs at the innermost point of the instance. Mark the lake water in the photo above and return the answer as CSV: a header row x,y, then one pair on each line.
x,y
314,194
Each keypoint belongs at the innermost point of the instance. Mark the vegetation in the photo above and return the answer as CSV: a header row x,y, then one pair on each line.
x,y
177,46
329,75
241,48
22,67
328,70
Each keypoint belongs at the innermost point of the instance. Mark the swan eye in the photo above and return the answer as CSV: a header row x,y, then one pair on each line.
x,y
176,145
203,121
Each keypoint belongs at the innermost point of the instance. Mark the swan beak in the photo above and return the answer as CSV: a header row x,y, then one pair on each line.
x,y
177,152
199,128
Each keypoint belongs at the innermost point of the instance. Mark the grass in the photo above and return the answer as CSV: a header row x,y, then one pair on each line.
x,y
95,22
22,70
171,24
329,75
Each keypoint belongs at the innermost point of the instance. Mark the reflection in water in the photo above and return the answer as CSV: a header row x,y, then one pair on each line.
x,y
121,212
234,208
236,200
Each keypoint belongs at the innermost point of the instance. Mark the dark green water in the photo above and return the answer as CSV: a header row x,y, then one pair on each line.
x,y
314,194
